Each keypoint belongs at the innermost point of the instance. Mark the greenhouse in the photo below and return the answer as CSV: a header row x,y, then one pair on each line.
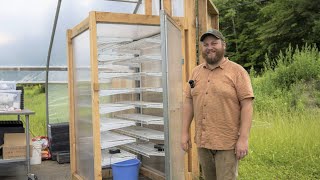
x,y
93,81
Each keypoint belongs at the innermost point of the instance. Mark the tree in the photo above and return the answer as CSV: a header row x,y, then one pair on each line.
x,y
236,23
254,28
285,22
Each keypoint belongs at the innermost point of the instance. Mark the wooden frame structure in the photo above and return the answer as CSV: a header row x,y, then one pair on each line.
x,y
207,18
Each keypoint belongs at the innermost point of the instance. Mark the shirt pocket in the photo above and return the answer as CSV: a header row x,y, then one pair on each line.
x,y
195,91
223,88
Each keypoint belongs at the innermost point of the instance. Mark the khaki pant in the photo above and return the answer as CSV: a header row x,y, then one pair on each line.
x,y
218,164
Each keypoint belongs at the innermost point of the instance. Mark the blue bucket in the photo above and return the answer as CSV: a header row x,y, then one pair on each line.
x,y
126,170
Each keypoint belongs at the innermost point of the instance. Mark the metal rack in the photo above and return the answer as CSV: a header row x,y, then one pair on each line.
x,y
120,59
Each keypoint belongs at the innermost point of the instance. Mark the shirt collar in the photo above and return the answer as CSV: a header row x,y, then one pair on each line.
x,y
221,65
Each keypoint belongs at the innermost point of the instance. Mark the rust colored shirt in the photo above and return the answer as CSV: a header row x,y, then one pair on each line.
x,y
216,100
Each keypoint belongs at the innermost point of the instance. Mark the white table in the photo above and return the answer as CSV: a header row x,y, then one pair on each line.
x,y
26,113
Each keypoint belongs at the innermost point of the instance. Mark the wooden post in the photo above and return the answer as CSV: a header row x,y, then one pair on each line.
x,y
148,7
213,16
95,96
208,19
192,164
167,6
71,102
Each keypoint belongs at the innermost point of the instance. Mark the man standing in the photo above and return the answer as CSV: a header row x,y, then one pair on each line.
x,y
219,97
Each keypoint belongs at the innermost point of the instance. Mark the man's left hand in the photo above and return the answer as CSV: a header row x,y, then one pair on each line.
x,y
241,148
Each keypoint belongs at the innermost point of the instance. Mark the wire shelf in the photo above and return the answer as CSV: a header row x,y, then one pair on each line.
x,y
143,104
145,43
142,133
107,124
107,159
109,92
142,118
145,149
111,139
114,57
127,75
109,108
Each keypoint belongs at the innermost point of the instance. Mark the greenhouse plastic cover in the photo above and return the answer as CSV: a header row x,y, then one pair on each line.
x,y
26,28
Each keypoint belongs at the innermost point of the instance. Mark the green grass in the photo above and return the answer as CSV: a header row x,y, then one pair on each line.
x,y
35,100
284,142
283,146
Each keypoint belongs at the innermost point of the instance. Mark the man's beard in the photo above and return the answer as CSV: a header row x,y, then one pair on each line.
x,y
216,59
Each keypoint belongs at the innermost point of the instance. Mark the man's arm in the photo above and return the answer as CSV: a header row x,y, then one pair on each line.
x,y
245,125
186,121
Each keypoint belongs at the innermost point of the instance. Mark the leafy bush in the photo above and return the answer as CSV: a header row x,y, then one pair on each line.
x,y
282,86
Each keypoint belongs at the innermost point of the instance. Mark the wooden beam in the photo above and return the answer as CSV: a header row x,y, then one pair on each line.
x,y
127,18
76,177
95,97
180,21
212,9
192,164
167,7
106,173
203,19
71,103
148,7
80,28
152,174
213,16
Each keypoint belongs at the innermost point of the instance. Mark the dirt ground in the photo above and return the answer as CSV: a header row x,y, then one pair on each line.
x,y
47,170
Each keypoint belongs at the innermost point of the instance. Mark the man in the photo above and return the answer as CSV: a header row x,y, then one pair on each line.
x,y
219,96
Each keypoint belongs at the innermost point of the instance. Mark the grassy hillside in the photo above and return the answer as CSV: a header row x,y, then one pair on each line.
x,y
284,141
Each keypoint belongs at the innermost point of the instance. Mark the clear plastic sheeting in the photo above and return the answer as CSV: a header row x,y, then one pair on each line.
x,y
177,8
83,114
58,103
173,107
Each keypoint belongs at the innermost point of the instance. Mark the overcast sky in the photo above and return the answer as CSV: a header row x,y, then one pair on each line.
x,y
26,26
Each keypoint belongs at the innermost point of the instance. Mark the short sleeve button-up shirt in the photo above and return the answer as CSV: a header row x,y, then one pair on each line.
x,y
216,97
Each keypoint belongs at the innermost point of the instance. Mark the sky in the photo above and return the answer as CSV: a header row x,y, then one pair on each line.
x,y
26,27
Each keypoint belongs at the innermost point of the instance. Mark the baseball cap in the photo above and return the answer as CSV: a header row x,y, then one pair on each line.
x,y
212,32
